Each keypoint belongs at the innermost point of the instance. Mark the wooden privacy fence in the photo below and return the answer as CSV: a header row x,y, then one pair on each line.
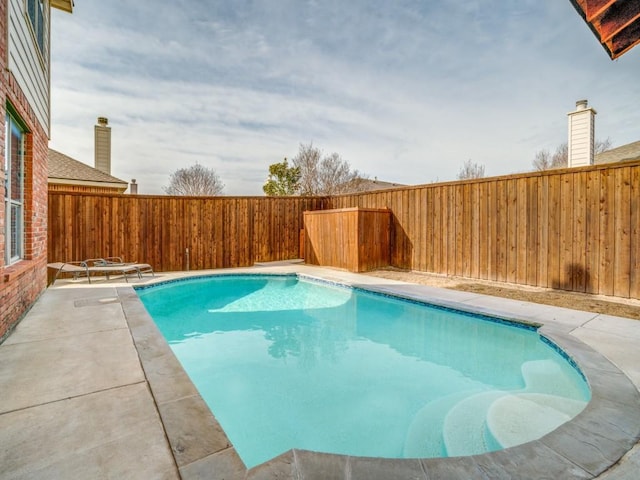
x,y
576,229
167,232
570,229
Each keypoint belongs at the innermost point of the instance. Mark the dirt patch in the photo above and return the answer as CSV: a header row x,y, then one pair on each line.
x,y
578,301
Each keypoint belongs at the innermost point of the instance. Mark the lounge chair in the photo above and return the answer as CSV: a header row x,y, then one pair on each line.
x,y
78,269
116,265
106,266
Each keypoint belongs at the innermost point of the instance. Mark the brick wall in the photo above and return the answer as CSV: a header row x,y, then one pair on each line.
x,y
21,283
3,81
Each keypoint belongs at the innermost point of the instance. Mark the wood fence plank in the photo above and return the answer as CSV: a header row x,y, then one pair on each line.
x,y
607,232
417,234
492,231
566,232
512,230
470,263
451,231
481,230
522,227
622,238
467,233
532,231
592,232
438,234
458,244
501,230
579,241
543,231
427,243
634,261
554,227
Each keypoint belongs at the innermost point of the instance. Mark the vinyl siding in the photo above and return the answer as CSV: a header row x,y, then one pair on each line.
x,y
580,138
29,68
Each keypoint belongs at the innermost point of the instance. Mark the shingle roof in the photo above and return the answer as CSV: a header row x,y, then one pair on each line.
x,y
62,166
359,184
630,151
366,185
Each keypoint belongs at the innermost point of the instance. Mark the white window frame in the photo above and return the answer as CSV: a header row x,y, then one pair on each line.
x,y
14,251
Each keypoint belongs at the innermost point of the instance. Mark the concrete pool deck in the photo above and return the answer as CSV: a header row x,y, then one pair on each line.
x,y
91,390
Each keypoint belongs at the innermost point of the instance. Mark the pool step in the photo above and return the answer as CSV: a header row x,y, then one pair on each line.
x,y
424,436
464,428
515,419
474,422
543,376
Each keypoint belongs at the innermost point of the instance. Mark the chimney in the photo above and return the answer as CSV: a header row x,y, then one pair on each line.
x,y
133,187
103,145
581,135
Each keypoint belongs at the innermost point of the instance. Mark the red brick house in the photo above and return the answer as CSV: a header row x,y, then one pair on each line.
x,y
24,137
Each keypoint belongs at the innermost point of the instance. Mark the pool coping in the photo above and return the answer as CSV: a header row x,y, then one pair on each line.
x,y
584,447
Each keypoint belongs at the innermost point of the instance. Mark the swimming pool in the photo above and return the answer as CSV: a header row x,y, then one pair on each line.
x,y
386,356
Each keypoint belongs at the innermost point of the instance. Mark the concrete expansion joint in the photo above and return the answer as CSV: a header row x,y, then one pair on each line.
x,y
90,333
68,335
95,302
587,474
611,467
173,400
584,324
72,397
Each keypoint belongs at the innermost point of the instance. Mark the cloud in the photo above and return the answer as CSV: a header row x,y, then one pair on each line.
x,y
405,92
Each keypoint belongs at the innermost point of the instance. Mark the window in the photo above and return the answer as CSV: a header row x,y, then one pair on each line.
x,y
13,190
35,12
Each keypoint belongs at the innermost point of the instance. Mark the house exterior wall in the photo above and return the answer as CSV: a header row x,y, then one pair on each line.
x,y
23,281
29,67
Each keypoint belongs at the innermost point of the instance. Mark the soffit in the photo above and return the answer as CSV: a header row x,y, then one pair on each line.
x,y
65,5
615,23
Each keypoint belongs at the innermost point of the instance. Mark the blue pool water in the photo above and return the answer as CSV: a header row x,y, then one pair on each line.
x,y
288,363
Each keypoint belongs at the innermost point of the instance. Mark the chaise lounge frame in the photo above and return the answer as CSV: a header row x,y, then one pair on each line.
x,y
107,266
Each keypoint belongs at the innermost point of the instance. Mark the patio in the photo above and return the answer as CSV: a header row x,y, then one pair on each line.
x,y
93,391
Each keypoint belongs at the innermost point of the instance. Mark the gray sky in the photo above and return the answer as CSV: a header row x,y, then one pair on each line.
x,y
405,91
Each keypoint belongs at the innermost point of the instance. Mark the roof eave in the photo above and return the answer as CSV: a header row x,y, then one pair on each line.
x,y
614,23
64,5
87,183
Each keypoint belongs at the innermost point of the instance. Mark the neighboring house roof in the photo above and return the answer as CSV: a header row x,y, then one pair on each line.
x,y
625,153
66,170
367,185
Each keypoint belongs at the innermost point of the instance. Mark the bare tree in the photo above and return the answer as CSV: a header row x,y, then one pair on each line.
x,y
196,180
471,170
542,161
602,145
335,175
307,160
560,159
324,175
